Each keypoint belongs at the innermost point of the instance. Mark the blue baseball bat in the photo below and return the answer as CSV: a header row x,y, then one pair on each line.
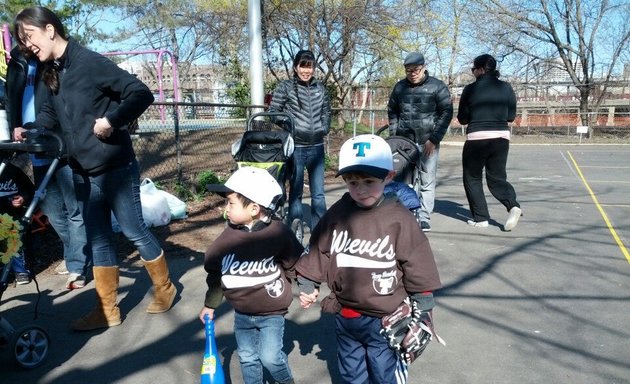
x,y
211,369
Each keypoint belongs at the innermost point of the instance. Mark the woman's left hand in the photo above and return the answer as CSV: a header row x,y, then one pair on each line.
x,y
102,128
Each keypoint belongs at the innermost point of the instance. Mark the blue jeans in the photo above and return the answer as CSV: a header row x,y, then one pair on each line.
x,y
426,188
18,264
311,158
259,342
63,210
118,191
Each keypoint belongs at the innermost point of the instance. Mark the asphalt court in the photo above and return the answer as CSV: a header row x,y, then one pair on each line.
x,y
545,303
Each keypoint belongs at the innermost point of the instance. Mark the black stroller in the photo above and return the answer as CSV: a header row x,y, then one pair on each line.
x,y
406,157
28,344
268,143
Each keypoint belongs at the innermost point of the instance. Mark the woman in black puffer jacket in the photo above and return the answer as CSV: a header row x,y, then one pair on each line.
x,y
307,101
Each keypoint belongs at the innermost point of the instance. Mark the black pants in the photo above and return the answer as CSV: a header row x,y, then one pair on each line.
x,y
492,155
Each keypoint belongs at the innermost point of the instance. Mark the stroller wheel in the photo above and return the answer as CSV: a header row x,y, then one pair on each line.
x,y
29,346
297,226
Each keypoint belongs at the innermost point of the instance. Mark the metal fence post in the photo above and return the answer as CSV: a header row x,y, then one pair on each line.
x,y
178,144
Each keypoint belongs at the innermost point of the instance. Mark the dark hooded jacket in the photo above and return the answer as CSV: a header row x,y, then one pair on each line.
x,y
309,105
421,111
92,86
488,104
16,81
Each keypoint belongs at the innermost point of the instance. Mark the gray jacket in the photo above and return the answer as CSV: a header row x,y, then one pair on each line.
x,y
308,104
420,111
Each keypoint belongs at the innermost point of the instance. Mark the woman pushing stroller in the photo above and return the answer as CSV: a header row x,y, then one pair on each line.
x,y
93,101
307,100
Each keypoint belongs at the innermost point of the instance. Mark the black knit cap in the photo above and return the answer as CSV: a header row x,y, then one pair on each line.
x,y
303,55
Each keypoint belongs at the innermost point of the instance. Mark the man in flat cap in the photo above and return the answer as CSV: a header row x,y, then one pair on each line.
x,y
420,108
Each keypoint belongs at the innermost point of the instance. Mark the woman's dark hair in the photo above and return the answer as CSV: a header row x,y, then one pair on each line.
x,y
488,63
303,58
40,17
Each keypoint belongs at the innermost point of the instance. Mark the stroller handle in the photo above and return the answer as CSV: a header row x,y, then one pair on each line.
x,y
278,118
57,150
54,147
385,128
382,129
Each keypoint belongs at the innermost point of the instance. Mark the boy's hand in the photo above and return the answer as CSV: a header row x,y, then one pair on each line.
x,y
206,311
17,201
308,299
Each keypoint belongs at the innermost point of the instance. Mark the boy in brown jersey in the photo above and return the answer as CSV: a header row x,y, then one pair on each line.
x,y
251,263
370,250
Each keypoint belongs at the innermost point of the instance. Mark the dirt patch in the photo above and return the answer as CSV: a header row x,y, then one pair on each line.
x,y
181,238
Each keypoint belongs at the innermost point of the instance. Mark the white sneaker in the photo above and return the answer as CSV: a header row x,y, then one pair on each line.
x,y
61,268
512,220
478,224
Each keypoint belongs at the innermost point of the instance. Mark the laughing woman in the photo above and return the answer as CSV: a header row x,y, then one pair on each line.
x,y
93,100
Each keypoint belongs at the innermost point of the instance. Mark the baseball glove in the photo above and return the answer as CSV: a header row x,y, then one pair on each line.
x,y
409,330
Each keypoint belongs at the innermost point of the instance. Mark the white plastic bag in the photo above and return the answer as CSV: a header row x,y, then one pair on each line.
x,y
175,205
155,210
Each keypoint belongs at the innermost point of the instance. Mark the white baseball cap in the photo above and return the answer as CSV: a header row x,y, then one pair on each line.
x,y
368,154
256,184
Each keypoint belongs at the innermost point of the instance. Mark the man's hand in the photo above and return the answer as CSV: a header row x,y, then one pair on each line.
x,y
19,134
429,148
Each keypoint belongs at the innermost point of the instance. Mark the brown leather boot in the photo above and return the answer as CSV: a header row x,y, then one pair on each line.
x,y
106,313
163,290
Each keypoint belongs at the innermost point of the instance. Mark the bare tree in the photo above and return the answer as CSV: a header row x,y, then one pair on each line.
x,y
588,36
188,30
351,39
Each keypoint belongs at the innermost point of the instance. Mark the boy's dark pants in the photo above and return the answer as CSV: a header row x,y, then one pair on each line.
x,y
363,354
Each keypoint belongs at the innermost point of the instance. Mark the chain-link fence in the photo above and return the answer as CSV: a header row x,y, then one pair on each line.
x,y
177,147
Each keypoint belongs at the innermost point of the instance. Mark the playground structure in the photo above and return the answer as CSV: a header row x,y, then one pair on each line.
x,y
160,53
5,47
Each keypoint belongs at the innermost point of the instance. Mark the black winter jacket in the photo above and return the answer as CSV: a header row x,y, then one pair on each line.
x,y
310,111
420,111
92,86
488,104
16,81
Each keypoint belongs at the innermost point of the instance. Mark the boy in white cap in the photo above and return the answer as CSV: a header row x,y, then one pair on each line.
x,y
370,250
251,263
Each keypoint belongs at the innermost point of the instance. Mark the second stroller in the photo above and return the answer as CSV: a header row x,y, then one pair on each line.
x,y
407,164
268,143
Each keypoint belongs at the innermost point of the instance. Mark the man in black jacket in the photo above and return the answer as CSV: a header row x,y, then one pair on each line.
x,y
421,109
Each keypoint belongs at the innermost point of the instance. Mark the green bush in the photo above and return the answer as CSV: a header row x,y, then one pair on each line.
x,y
207,177
327,161
184,192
